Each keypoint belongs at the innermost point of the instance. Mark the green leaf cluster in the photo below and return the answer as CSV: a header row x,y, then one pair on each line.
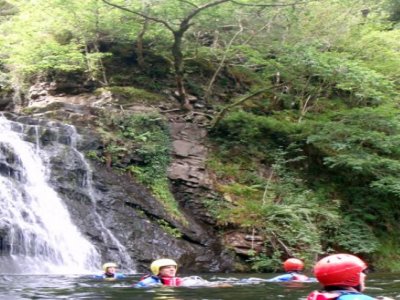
x,y
140,144
311,161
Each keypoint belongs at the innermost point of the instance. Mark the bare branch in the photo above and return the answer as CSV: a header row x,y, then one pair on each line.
x,y
184,25
187,2
199,9
157,20
304,109
221,63
266,188
269,5
176,48
286,248
222,113
254,34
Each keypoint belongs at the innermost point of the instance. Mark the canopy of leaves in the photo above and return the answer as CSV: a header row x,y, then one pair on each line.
x,y
311,161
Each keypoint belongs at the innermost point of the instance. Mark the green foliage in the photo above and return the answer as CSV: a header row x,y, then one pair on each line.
x,y
48,55
378,49
145,138
161,189
130,95
4,81
365,142
257,132
388,254
149,134
316,75
92,154
264,263
169,229
312,163
355,236
393,9
281,209
359,149
216,208
66,40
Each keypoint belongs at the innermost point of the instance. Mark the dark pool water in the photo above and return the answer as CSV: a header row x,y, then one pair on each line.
x,y
83,287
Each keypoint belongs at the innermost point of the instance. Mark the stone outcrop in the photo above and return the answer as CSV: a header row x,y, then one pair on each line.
x,y
126,207
191,183
243,243
189,153
6,101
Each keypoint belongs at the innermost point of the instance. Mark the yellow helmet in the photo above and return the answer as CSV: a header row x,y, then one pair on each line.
x,y
159,263
109,265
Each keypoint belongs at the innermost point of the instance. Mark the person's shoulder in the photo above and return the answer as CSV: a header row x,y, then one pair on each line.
x,y
338,295
317,295
148,281
355,296
284,277
120,276
301,277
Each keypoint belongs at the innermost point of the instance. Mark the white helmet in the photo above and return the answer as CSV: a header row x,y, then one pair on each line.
x,y
159,263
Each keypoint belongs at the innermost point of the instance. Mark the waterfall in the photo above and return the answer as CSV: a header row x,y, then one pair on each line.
x,y
37,235
107,235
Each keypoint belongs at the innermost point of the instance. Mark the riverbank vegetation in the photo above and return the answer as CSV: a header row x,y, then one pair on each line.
x,y
305,140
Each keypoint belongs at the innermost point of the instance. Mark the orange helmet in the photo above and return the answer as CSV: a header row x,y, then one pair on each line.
x,y
339,270
293,264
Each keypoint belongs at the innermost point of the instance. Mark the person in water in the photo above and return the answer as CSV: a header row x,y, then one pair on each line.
x,y
164,273
293,268
342,277
110,272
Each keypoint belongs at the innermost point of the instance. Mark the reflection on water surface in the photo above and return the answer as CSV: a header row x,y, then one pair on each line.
x,y
13,287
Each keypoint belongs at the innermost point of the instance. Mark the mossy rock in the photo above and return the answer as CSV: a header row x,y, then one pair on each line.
x,y
42,109
242,76
126,96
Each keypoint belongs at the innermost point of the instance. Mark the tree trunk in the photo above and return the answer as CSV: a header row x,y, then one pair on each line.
x,y
139,46
218,117
179,70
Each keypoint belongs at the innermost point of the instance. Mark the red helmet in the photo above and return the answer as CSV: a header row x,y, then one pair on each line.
x,y
293,264
339,270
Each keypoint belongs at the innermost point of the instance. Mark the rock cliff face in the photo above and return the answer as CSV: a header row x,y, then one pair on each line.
x,y
115,202
190,181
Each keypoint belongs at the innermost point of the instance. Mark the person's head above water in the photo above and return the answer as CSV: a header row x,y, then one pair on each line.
x,y
164,267
341,270
293,265
110,268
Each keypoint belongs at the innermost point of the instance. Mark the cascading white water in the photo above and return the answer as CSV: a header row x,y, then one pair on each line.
x,y
41,237
123,256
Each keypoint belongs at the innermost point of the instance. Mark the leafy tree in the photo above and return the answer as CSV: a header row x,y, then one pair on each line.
x,y
67,39
364,143
183,13
378,49
393,9
178,34
307,131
